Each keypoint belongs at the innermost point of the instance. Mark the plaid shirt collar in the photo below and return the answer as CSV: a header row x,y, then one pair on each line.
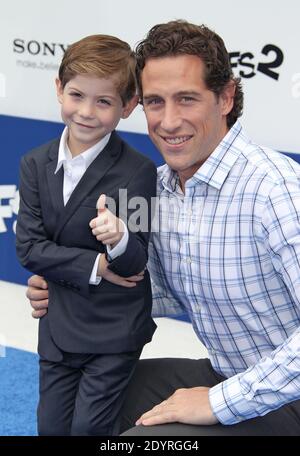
x,y
216,168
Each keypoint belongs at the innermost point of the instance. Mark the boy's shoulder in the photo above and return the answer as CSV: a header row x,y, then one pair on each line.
x,y
42,152
134,156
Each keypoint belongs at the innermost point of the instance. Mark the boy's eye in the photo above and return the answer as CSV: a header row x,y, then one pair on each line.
x,y
104,101
75,94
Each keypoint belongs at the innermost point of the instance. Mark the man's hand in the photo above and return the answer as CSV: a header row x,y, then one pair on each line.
x,y
107,228
105,273
189,406
37,293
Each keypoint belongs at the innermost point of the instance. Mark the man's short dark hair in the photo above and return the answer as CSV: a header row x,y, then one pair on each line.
x,y
180,37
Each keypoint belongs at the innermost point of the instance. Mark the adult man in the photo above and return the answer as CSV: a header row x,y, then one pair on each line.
x,y
226,251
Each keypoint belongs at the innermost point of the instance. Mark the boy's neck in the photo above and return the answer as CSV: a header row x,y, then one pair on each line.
x,y
77,149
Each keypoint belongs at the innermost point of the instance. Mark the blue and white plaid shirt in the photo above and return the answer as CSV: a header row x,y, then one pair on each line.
x,y
227,252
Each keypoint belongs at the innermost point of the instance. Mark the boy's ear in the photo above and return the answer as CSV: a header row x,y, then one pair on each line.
x,y
129,106
59,89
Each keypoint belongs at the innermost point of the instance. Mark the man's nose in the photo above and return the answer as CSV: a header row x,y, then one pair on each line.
x,y
171,118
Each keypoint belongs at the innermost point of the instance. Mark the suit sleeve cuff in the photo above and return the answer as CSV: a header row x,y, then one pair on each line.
x,y
94,279
120,248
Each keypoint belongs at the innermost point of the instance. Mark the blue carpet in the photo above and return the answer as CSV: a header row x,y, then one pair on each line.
x,y
18,393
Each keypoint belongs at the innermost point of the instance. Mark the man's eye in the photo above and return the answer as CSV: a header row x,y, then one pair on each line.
x,y
152,101
75,94
187,99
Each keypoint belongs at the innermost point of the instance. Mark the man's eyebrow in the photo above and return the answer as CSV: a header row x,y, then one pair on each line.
x,y
190,93
151,95
181,93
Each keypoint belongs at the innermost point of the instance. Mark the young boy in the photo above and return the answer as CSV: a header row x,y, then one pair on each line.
x,y
95,329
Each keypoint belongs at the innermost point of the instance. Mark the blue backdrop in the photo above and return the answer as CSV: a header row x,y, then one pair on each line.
x,y
18,136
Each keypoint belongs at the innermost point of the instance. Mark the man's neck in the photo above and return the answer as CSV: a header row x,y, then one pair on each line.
x,y
185,176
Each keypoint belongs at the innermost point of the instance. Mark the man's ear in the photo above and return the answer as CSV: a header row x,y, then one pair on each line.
x,y
227,97
129,106
59,90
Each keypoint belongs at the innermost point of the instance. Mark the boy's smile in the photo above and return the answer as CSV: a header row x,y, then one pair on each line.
x,y
91,107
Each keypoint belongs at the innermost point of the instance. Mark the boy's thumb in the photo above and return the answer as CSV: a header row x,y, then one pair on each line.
x,y
101,203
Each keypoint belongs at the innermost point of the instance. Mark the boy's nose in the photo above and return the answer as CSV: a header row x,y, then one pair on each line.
x,y
86,110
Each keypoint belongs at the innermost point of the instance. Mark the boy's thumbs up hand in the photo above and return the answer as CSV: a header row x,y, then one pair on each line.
x,y
107,228
101,203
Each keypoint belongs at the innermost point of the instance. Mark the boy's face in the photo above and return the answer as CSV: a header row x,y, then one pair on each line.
x,y
91,107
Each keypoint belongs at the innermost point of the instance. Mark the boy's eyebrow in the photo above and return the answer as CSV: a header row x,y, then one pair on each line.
x,y
96,96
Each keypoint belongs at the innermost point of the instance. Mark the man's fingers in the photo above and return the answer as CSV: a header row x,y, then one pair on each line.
x,y
39,305
38,313
118,280
167,417
154,416
128,284
37,282
161,413
36,294
135,278
123,283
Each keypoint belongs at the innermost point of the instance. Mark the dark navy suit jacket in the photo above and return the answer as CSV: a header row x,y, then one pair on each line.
x,y
55,241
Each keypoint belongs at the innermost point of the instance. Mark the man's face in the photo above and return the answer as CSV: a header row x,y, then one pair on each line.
x,y
186,121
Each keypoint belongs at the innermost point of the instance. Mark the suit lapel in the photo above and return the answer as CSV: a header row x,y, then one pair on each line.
x,y
94,173
55,181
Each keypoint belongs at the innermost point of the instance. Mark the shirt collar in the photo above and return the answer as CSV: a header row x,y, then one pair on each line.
x,y
216,168
88,155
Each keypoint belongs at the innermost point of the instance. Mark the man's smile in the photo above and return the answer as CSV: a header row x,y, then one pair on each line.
x,y
175,140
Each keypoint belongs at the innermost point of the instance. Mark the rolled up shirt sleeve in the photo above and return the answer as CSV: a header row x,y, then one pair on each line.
x,y
271,383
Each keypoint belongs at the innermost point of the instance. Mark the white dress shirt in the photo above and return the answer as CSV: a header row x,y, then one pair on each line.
x,y
74,168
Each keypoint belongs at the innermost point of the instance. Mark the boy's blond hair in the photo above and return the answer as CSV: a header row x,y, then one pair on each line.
x,y
103,56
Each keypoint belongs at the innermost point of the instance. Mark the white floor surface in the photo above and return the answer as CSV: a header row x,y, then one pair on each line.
x,y
18,329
